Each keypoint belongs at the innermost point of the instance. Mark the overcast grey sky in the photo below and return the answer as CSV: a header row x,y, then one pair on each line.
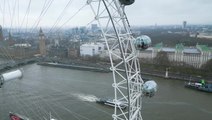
x,y
148,12
142,12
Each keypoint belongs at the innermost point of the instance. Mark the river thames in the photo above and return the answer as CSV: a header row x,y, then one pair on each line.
x,y
70,95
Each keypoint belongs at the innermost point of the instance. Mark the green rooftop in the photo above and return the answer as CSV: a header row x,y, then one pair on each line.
x,y
179,47
158,46
203,48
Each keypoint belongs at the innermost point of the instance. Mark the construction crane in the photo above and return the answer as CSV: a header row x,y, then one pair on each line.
x,y
122,49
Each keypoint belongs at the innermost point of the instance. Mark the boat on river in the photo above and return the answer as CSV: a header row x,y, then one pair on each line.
x,y
15,116
206,87
111,103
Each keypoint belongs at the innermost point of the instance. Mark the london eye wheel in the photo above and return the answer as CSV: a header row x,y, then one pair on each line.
x,y
125,66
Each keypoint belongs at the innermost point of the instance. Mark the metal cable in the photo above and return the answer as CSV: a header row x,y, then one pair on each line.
x,y
71,18
60,16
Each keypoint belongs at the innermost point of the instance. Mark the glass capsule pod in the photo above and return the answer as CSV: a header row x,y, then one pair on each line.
x,y
142,42
127,2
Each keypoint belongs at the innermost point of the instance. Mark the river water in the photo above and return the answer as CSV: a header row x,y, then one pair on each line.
x,y
70,95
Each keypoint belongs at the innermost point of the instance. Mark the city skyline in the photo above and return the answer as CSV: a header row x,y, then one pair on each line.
x,y
141,13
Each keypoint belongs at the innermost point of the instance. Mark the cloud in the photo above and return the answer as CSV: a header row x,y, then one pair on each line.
x,y
142,12
170,12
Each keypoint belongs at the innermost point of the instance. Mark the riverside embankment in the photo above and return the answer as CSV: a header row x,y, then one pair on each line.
x,y
97,67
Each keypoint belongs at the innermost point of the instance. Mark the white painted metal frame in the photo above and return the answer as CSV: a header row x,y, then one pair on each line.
x,y
125,66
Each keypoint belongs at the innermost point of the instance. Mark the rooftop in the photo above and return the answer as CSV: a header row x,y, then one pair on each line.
x,y
191,50
158,46
167,49
179,47
203,48
91,44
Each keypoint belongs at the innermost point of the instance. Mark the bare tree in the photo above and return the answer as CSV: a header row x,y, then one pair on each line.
x,y
162,59
207,66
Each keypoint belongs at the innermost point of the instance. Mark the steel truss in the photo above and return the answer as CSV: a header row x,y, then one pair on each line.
x,y
125,66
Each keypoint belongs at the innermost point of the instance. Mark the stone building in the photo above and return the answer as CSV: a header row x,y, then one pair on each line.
x,y
91,49
42,43
196,56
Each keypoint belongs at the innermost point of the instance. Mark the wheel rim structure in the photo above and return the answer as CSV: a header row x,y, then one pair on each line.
x,y
125,65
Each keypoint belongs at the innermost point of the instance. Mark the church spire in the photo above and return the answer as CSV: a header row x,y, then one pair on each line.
x,y
42,44
41,32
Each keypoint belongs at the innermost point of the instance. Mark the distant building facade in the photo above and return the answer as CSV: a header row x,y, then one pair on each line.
x,y
19,51
94,27
10,41
24,45
72,53
42,44
58,52
184,24
91,49
195,57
